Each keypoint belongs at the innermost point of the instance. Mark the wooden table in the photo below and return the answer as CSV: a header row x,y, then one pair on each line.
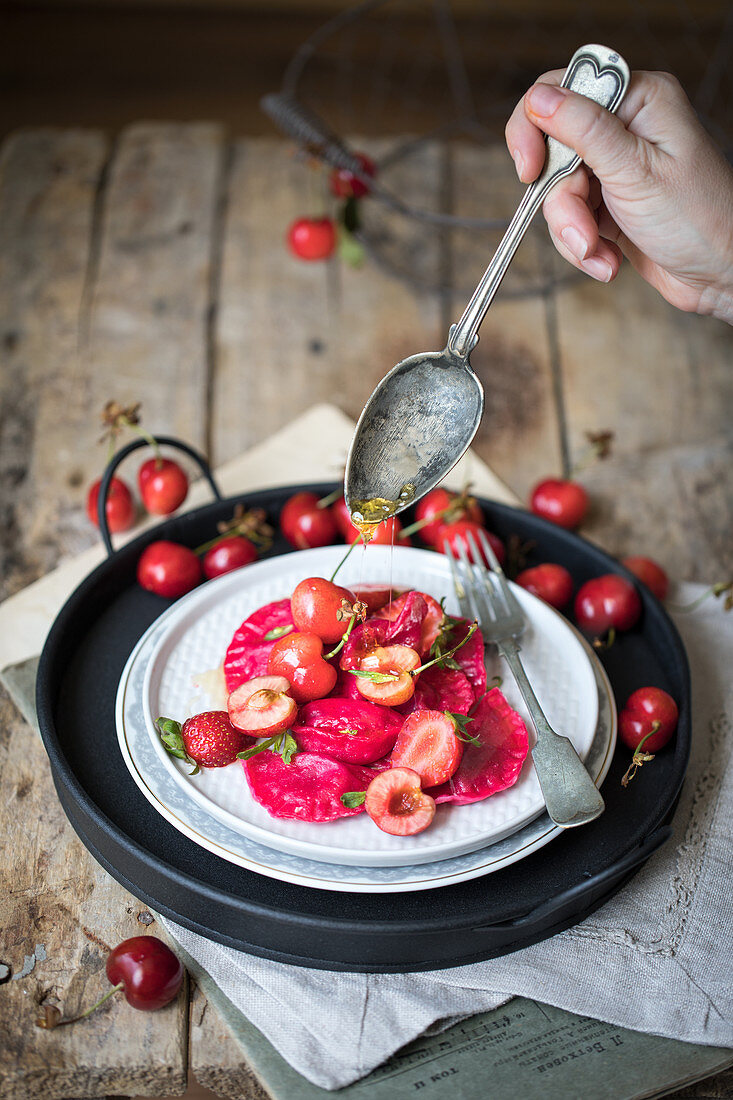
x,y
153,269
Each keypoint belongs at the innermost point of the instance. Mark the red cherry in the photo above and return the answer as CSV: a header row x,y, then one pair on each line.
x,y
163,485
342,517
607,601
455,534
312,238
119,507
387,533
643,708
299,658
551,582
168,569
317,608
649,573
345,185
306,525
440,507
229,554
147,969
562,502
395,802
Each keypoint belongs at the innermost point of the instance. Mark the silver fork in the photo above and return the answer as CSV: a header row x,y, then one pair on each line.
x,y
570,794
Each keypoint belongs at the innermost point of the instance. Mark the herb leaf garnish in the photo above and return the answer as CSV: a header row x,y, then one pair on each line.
x,y
353,799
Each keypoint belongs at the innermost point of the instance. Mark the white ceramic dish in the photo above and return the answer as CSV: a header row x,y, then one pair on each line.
x,y
192,637
196,823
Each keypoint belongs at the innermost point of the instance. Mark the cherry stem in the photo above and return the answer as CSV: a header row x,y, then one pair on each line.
x,y
338,567
718,589
639,757
89,1011
444,656
331,498
457,505
344,639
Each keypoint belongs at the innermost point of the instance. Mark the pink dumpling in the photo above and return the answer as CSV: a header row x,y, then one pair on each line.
x,y
248,651
309,788
470,656
351,730
441,689
493,765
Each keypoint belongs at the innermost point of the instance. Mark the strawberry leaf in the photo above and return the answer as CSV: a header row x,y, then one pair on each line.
x,y
460,721
169,732
288,747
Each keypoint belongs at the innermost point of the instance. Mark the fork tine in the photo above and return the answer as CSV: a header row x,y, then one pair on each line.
x,y
458,584
489,552
498,575
468,582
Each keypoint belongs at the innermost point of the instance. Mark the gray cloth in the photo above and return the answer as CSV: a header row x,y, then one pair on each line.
x,y
656,958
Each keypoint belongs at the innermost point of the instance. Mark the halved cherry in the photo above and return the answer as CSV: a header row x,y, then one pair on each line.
x,y
383,675
428,744
396,803
317,608
262,706
298,658
431,624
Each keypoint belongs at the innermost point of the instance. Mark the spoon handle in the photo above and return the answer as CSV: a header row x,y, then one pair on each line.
x,y
603,76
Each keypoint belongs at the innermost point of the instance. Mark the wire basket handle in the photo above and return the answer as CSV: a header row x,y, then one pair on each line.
x,y
164,440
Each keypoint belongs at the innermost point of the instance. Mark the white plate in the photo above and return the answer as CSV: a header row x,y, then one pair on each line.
x,y
194,635
201,827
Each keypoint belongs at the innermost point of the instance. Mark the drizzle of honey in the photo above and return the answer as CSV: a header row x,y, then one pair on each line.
x,y
366,515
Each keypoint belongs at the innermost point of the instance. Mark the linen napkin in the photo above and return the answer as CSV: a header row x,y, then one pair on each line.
x,y
656,958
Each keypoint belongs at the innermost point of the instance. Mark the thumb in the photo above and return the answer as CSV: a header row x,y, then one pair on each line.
x,y
598,136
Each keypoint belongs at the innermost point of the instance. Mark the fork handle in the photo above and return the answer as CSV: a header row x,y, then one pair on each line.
x,y
571,796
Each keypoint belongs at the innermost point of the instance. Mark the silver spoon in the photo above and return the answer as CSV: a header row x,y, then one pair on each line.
x,y
423,415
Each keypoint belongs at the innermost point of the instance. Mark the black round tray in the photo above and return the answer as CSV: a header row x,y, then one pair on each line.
x,y
532,899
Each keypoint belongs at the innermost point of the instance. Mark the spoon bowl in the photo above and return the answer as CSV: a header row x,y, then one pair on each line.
x,y
424,413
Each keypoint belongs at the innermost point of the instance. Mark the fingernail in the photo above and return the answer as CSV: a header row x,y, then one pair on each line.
x,y
544,99
519,162
575,241
598,268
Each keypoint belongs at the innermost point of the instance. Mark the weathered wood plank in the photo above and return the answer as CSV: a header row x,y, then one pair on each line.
x,y
216,1059
48,181
59,915
290,334
137,290
661,380
146,328
519,434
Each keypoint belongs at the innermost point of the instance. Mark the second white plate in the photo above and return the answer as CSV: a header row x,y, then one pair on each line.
x,y
193,637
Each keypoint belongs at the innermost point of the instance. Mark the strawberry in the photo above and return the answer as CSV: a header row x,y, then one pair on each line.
x,y
208,739
428,743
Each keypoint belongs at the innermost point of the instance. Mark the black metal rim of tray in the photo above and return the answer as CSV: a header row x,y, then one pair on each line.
x,y
528,901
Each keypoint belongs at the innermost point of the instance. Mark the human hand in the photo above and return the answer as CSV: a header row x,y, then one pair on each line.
x,y
654,187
